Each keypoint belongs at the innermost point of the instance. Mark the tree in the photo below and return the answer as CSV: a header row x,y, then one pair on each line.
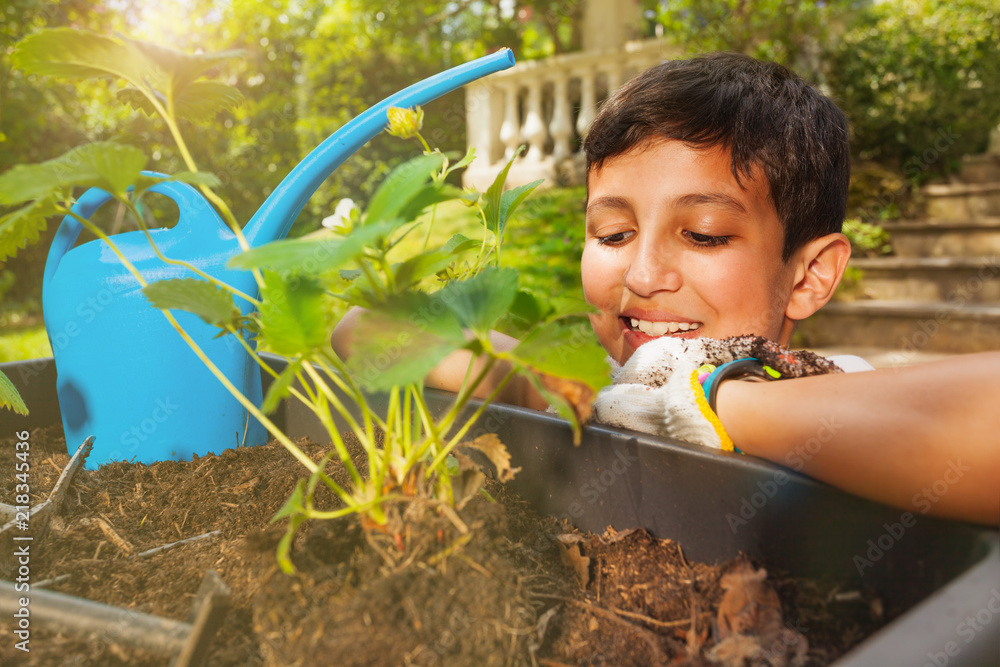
x,y
790,32
920,81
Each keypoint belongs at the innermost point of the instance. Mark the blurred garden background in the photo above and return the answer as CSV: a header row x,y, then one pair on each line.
x,y
919,80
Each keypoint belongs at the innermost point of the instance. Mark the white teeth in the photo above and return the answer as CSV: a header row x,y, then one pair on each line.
x,y
660,328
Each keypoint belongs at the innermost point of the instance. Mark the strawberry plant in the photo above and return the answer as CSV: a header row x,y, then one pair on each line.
x,y
440,301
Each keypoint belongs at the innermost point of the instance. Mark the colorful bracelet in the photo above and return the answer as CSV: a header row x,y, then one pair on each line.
x,y
711,377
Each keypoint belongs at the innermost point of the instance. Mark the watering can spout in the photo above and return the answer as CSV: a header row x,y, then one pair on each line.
x,y
275,217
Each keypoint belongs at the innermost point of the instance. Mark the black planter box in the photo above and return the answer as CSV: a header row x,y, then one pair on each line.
x,y
944,576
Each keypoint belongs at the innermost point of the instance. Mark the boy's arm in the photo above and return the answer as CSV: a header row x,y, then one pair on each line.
x,y
450,373
925,438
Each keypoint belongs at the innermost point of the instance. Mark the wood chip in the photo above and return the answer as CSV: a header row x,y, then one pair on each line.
x,y
121,543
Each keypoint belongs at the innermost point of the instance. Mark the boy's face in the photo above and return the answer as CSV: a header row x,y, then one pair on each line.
x,y
674,246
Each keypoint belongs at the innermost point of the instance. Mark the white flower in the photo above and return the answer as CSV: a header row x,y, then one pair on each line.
x,y
344,216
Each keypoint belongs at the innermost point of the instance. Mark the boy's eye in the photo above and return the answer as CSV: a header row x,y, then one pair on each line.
x,y
706,240
614,239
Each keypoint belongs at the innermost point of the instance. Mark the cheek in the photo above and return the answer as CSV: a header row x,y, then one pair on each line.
x,y
748,299
600,277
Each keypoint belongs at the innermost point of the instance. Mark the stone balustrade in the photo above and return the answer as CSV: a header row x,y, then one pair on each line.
x,y
548,106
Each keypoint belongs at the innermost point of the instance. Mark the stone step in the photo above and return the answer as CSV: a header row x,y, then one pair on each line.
x,y
983,168
947,279
962,201
937,238
905,327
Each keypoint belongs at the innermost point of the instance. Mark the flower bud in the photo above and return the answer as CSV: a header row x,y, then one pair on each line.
x,y
470,196
405,123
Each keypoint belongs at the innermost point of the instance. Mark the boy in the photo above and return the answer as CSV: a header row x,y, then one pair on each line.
x,y
716,191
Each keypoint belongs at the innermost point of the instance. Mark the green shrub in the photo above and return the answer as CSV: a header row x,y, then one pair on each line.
x,y
866,239
920,81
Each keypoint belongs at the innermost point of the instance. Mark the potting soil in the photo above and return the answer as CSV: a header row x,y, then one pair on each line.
x,y
514,589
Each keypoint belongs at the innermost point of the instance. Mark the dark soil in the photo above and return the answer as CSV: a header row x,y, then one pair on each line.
x,y
516,589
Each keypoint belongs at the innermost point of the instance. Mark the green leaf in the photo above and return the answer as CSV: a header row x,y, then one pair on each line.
x,y
528,310
280,386
296,315
203,99
103,164
430,195
402,341
183,67
196,101
151,69
458,244
196,178
470,155
569,352
283,554
401,186
418,267
482,300
312,255
570,306
136,99
78,54
350,274
494,194
295,503
194,295
509,202
9,397
23,226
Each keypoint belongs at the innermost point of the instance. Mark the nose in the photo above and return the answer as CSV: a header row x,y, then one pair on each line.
x,y
652,269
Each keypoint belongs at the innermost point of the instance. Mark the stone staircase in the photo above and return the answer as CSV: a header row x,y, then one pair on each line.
x,y
939,294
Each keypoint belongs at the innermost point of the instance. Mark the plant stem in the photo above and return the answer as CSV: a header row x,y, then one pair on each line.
x,y
433,434
359,508
175,132
464,395
430,225
331,427
469,422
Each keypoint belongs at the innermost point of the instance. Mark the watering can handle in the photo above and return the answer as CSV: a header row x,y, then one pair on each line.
x,y
192,208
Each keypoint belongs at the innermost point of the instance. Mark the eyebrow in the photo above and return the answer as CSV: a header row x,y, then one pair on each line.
x,y
614,202
611,202
713,198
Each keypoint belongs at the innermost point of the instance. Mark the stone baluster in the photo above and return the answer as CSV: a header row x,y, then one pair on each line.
x,y
510,130
533,131
588,103
614,80
561,127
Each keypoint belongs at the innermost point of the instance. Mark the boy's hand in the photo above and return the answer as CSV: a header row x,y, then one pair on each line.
x,y
659,390
652,392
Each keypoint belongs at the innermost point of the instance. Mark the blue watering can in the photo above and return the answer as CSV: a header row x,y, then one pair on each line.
x,y
124,374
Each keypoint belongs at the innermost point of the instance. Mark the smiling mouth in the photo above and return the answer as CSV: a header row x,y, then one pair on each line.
x,y
660,328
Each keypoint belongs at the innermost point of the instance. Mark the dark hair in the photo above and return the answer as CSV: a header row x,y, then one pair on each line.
x,y
761,112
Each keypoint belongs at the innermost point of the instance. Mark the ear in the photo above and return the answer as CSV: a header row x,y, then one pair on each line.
x,y
819,265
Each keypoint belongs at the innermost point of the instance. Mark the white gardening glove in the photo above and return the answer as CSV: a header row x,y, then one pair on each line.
x,y
653,392
659,389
